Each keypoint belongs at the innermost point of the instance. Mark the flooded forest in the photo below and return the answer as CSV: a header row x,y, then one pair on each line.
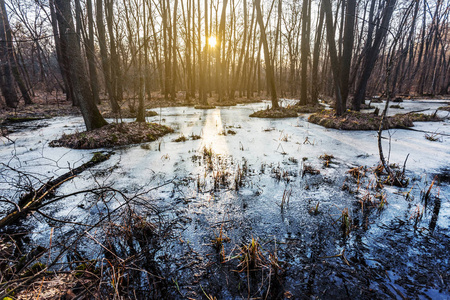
x,y
224,149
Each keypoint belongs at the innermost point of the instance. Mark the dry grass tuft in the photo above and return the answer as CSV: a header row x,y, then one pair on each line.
x,y
353,120
275,113
113,135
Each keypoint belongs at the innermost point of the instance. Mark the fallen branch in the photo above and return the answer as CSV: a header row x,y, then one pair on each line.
x,y
33,200
423,131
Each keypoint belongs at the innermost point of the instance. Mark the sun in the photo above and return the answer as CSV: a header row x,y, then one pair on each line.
x,y
212,41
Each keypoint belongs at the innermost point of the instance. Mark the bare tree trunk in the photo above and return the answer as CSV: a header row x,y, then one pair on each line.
x,y
106,65
174,52
7,81
90,53
11,55
305,52
115,76
347,51
157,44
62,61
221,61
141,111
333,56
315,86
267,60
236,76
92,117
372,55
201,54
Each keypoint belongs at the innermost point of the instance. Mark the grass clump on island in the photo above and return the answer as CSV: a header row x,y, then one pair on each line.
x,y
309,108
290,111
127,114
113,135
278,113
202,106
353,120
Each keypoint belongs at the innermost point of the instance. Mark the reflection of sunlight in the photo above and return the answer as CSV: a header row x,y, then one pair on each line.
x,y
211,136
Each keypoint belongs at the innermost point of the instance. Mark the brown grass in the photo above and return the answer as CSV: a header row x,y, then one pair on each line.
x,y
113,135
127,114
308,109
275,113
353,120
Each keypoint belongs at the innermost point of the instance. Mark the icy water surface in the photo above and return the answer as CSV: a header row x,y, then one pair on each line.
x,y
265,179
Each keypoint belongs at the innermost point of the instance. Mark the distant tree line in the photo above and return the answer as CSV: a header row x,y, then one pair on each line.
x,y
306,49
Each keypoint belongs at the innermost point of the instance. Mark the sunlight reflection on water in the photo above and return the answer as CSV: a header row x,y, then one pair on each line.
x,y
211,133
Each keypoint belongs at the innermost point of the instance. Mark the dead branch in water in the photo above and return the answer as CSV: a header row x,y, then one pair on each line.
x,y
33,200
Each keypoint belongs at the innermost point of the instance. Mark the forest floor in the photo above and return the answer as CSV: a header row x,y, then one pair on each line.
x,y
231,207
51,105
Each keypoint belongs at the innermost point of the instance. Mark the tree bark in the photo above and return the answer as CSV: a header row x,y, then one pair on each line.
x,y
315,86
115,76
11,55
333,56
82,93
7,81
106,66
347,51
372,55
304,53
62,62
90,53
267,60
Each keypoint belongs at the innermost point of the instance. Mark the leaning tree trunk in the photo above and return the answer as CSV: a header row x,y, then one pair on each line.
x,y
81,91
333,56
372,55
269,69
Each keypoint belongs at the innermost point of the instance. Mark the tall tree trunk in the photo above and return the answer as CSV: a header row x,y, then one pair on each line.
x,y
188,76
115,76
92,117
315,86
141,111
62,61
165,50
174,52
267,60
372,55
236,76
90,53
347,51
333,55
304,53
7,81
6,35
106,65
221,61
